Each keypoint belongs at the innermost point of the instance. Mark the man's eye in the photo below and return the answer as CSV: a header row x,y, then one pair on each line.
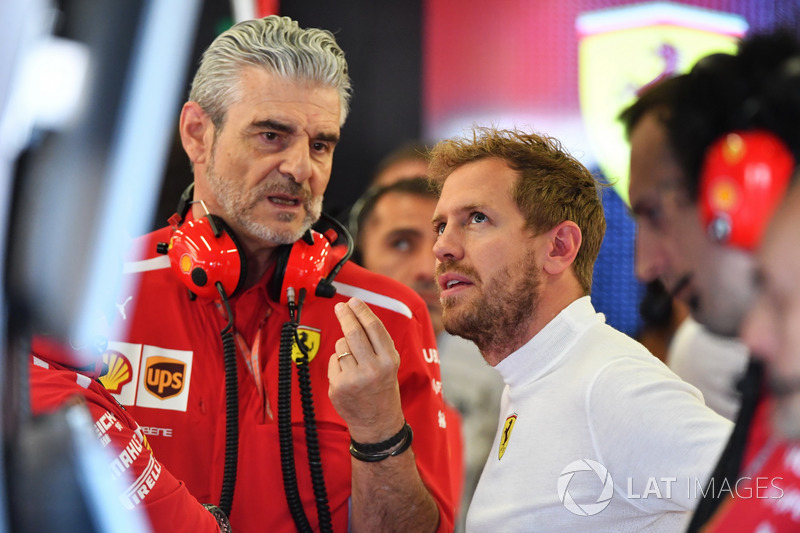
x,y
479,218
270,135
652,216
321,147
401,245
440,228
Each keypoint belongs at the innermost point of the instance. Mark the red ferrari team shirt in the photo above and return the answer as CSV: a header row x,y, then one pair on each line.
x,y
766,497
149,486
167,368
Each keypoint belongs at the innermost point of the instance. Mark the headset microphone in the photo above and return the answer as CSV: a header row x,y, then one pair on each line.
x,y
682,282
311,263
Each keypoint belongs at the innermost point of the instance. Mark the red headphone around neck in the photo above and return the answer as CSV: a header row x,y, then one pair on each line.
x,y
745,174
205,253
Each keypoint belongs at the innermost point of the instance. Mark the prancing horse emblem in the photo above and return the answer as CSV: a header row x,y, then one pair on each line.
x,y
506,435
310,338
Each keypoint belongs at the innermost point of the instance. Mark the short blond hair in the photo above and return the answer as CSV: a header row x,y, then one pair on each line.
x,y
552,185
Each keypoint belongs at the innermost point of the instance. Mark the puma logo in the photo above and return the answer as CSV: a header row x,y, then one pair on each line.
x,y
121,307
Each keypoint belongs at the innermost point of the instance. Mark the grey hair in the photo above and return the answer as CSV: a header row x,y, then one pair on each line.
x,y
277,44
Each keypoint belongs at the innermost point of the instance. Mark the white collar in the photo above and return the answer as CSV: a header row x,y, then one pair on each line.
x,y
544,350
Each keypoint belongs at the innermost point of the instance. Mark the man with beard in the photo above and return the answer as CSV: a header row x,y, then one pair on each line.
x,y
394,238
519,224
741,105
325,449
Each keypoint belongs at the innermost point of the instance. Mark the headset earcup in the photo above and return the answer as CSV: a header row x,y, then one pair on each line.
x,y
205,251
303,266
745,174
232,276
309,264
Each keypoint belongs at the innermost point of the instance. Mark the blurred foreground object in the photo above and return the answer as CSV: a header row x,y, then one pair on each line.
x,y
87,92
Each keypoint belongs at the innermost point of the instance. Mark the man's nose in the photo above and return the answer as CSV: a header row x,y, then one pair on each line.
x,y
649,257
448,246
296,161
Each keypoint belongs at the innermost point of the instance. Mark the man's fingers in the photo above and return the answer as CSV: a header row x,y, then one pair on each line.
x,y
372,327
342,348
366,336
336,362
356,337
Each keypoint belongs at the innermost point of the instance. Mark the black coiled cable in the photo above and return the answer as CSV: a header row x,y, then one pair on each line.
x,y
312,439
231,410
289,336
285,428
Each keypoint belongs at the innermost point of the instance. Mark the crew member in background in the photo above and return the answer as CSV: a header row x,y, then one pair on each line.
x,y
696,141
406,161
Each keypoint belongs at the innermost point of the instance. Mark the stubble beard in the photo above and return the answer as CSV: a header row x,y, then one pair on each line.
x,y
495,319
239,205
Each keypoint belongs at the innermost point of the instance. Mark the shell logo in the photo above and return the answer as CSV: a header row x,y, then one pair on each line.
x,y
119,374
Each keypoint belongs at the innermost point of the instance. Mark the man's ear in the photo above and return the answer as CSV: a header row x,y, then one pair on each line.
x,y
197,133
565,241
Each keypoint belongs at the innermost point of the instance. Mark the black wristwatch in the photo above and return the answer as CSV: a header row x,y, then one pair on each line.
x,y
219,516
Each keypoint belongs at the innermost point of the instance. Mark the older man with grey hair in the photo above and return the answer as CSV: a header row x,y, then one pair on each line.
x,y
249,373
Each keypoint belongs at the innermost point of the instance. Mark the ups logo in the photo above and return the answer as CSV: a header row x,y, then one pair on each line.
x,y
164,377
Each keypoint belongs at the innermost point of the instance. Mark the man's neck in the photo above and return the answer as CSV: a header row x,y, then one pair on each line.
x,y
551,303
258,263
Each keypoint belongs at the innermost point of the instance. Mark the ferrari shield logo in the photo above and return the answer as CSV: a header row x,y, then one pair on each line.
x,y
623,50
310,339
508,426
